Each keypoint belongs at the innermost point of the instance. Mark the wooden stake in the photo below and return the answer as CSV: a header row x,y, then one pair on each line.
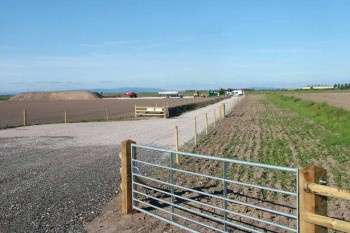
x,y
24,118
214,118
222,113
125,172
206,123
309,202
107,117
177,144
65,116
135,111
195,131
165,110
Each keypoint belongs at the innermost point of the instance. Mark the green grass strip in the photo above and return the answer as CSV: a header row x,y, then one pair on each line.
x,y
334,119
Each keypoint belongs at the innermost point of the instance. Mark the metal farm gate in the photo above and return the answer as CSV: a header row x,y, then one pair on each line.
x,y
242,196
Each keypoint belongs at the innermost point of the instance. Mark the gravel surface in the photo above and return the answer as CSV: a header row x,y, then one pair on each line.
x,y
55,178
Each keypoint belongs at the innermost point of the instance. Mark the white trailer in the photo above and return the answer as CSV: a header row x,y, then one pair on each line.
x,y
238,92
170,94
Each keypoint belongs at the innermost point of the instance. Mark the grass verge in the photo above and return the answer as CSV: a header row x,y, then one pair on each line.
x,y
334,119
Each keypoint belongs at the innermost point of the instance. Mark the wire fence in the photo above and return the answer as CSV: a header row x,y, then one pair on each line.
x,y
13,114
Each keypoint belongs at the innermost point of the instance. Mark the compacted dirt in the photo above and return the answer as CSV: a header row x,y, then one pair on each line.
x,y
58,177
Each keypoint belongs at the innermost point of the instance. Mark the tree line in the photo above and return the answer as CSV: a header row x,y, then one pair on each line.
x,y
342,86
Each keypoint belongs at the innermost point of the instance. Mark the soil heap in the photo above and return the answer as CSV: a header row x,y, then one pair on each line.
x,y
57,95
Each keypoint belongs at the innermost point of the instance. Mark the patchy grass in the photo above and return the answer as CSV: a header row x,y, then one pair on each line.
x,y
334,119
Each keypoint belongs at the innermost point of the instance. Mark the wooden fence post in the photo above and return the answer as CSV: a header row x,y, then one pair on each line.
x,y
206,123
24,118
309,202
165,109
214,118
177,144
222,111
135,111
107,117
65,116
125,171
195,131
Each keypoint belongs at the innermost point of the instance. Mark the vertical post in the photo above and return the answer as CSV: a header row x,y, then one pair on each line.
x,y
195,131
25,117
172,185
225,194
107,117
65,116
126,176
309,202
206,123
135,111
156,104
214,118
165,110
222,111
177,144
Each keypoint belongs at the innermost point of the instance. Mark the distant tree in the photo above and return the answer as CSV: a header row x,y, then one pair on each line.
x,y
342,87
335,86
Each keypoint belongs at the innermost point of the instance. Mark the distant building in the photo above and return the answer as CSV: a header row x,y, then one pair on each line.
x,y
318,87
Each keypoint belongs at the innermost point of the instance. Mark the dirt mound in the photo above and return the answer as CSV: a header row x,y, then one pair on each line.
x,y
58,95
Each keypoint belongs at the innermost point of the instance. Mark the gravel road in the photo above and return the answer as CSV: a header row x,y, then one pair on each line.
x,y
55,178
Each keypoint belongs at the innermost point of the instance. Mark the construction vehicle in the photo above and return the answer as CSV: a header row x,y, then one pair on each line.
x,y
131,94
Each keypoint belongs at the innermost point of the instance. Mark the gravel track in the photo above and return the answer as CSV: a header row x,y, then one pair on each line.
x,y
55,178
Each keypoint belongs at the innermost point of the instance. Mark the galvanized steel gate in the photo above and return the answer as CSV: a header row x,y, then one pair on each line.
x,y
158,190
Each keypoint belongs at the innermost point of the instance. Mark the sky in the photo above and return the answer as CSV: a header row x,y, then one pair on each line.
x,y
173,44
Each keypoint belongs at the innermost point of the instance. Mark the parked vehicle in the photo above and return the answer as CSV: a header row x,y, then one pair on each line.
x,y
170,94
131,94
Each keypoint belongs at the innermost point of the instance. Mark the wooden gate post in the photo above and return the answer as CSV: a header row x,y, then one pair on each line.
x,y
309,202
125,172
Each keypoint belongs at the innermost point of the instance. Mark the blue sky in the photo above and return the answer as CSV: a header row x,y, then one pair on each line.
x,y
192,44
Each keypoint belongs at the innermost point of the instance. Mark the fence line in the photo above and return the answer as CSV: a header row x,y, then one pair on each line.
x,y
37,115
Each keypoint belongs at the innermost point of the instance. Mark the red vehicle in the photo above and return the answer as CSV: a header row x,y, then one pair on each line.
x,y
131,94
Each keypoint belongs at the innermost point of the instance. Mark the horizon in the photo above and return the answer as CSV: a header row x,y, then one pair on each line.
x,y
64,45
